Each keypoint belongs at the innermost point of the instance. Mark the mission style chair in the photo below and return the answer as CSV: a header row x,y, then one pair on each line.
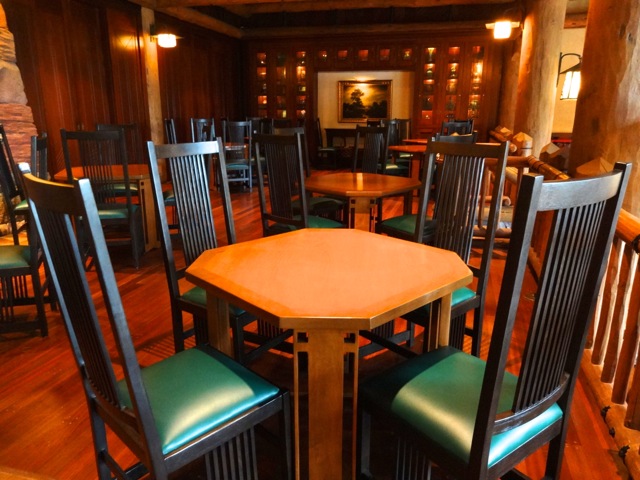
x,y
198,403
478,419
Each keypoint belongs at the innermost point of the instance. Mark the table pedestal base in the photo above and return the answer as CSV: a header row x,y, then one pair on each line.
x,y
325,351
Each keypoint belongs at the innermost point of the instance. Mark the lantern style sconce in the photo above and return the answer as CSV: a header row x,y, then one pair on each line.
x,y
571,85
510,20
163,39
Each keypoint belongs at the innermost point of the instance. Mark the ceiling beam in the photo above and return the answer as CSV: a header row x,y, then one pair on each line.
x,y
265,6
192,16
350,30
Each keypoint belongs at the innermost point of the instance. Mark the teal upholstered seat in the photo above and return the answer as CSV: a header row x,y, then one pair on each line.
x,y
15,256
207,384
198,296
438,393
479,419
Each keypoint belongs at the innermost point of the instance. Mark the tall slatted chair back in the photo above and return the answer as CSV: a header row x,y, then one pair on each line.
x,y
305,147
374,152
457,138
189,166
461,127
203,129
170,130
130,400
504,409
11,188
238,140
103,156
39,155
131,132
283,162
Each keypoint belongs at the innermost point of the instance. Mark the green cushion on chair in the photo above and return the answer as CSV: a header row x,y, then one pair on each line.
x,y
406,224
198,296
107,213
197,390
438,394
21,208
14,256
321,222
403,223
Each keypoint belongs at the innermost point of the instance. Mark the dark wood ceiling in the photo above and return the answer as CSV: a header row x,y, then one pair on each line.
x,y
249,18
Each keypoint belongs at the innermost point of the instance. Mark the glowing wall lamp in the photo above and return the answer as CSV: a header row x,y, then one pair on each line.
x,y
571,85
502,28
163,39
509,20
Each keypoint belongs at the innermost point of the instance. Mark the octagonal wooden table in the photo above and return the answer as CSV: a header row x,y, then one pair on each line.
x,y
362,190
326,285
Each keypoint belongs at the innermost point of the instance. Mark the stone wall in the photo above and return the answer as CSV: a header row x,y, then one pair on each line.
x,y
15,114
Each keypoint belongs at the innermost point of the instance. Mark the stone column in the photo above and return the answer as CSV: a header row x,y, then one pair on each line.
x,y
607,124
15,114
541,42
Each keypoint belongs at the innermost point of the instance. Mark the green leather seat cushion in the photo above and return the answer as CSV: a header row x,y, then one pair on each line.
x,y
15,256
197,390
458,296
313,221
438,394
198,296
107,212
407,224
169,198
22,207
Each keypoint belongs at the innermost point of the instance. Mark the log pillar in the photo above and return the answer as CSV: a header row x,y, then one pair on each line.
x,y
509,88
541,41
607,123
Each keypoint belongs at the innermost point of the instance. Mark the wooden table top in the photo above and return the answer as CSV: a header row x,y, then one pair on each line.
x,y
137,171
329,278
411,148
346,184
415,141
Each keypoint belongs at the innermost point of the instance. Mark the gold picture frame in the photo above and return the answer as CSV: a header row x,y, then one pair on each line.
x,y
359,101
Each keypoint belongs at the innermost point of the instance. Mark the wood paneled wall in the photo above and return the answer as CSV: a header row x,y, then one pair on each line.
x,y
82,63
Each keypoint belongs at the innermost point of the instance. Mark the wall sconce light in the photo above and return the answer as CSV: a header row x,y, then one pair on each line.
x,y
511,19
571,85
163,39
502,28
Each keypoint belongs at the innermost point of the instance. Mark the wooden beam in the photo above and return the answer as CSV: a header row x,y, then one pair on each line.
x,y
262,6
301,32
192,16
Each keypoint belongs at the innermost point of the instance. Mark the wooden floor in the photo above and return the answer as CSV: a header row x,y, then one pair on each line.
x,y
43,418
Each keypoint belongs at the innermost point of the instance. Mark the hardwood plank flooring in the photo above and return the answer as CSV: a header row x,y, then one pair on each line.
x,y
44,428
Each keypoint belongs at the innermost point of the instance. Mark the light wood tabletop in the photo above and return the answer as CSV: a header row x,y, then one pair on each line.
x,y
362,190
327,284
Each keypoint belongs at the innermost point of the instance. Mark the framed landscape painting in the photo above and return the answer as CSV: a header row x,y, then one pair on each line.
x,y
362,101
